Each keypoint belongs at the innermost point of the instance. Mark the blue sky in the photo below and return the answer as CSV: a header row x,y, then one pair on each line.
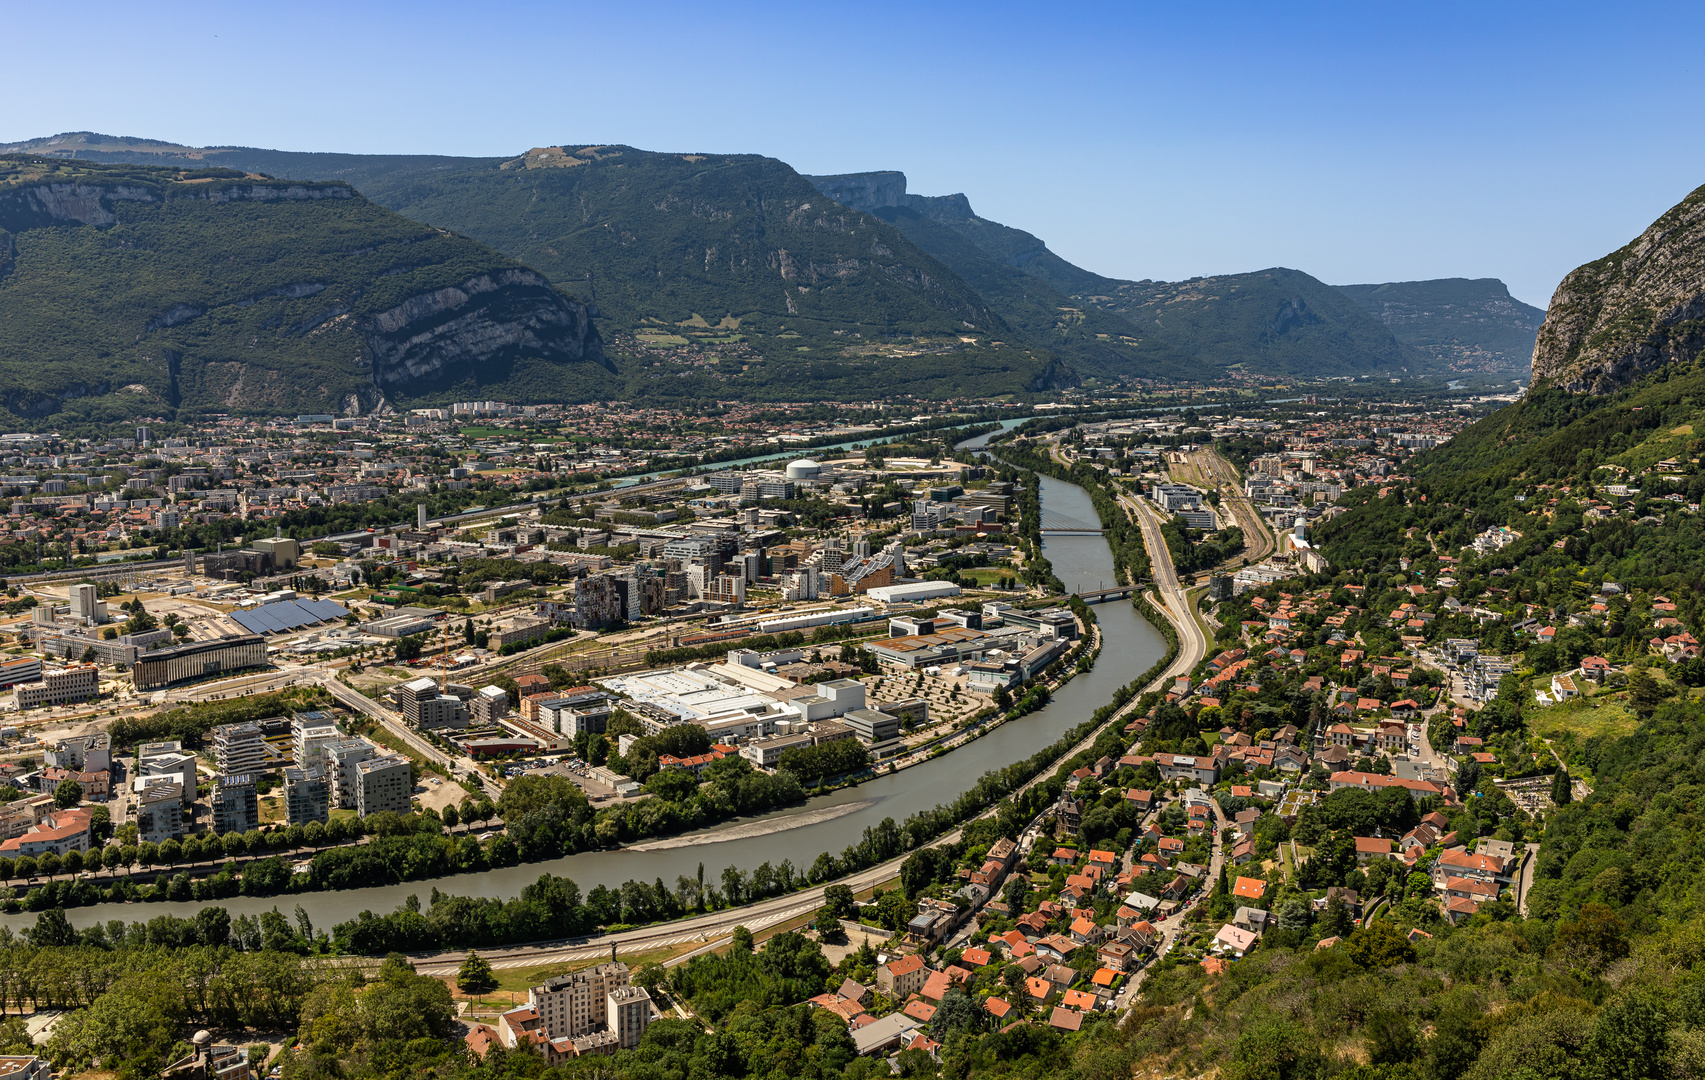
x,y
1366,142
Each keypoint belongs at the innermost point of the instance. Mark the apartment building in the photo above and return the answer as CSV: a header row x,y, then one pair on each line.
x,y
628,1015
383,783
159,811
86,753
21,815
240,748
235,808
341,758
307,795
168,761
578,1003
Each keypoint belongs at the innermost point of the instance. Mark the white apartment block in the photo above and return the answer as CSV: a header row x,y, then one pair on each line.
x,y
341,758
240,748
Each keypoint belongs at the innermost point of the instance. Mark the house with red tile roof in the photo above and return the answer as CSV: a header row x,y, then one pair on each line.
x,y
921,1011
1064,1019
1080,1000
902,977
1248,888
937,984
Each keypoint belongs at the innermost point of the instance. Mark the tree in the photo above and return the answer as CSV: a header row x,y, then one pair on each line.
x,y
1644,692
1596,936
840,899
1392,1038
475,975
1630,1040
1380,945
1562,787
742,940
68,794
1467,777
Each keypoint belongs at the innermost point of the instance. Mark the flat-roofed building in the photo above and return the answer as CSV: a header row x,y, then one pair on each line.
x,y
341,758
577,1003
170,764
159,810
235,808
240,749
629,1013
383,783
307,795
59,686
196,659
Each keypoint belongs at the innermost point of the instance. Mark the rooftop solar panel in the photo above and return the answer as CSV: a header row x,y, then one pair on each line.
x,y
286,615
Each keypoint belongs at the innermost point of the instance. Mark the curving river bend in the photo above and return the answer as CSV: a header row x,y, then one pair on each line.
x,y
800,833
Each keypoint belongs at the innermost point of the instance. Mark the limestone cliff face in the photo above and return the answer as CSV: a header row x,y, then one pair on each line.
x,y
492,316
75,202
1633,311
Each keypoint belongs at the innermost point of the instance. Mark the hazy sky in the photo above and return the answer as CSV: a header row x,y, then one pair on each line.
x,y
1359,142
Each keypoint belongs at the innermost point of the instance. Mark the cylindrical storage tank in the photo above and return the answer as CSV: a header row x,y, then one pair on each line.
x,y
803,469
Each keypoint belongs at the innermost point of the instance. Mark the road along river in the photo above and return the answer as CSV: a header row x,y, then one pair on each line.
x,y
800,833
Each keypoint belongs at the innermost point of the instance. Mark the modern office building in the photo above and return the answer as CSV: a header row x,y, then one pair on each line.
x,y
59,686
196,659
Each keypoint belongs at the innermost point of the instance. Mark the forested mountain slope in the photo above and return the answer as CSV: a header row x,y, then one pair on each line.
x,y
721,274
130,290
1274,322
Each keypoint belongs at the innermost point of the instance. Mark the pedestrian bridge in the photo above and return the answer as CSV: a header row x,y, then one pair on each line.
x,y
1059,524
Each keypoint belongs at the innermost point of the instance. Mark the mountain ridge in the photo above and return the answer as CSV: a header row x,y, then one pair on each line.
x,y
138,289
1639,308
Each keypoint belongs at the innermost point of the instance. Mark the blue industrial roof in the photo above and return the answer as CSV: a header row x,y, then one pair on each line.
x,y
287,615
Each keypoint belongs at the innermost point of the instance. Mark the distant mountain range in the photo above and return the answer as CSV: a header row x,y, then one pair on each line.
x,y
1275,321
735,276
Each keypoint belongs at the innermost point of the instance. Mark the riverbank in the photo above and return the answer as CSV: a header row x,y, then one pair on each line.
x,y
1127,643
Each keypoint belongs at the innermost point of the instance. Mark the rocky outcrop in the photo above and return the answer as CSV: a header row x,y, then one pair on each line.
x,y
447,333
1633,311
81,202
70,203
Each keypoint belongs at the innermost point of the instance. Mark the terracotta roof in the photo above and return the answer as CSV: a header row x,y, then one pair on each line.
x,y
905,965
1078,999
1065,1019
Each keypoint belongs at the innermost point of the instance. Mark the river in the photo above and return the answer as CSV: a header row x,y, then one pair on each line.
x,y
830,823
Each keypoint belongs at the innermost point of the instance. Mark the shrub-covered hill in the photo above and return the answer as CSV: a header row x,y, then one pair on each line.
x,y
131,290
719,274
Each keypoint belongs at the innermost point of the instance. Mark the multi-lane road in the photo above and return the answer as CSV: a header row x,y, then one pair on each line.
x,y
1175,602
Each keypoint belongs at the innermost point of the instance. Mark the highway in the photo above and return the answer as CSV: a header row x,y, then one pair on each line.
x,y
1174,601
